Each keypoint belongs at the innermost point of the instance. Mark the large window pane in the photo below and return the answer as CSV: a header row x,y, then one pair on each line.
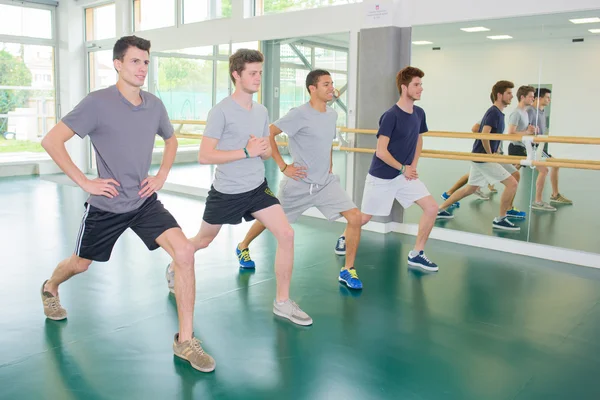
x,y
25,21
223,80
152,14
201,10
264,7
102,70
27,96
100,22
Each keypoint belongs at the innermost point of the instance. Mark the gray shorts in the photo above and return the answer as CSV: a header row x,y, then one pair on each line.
x,y
330,199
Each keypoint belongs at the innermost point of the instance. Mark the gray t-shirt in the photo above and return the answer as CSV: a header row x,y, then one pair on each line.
x,y
538,118
123,138
520,119
232,125
311,134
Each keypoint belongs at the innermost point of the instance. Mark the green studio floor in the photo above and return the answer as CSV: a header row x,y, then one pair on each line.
x,y
489,325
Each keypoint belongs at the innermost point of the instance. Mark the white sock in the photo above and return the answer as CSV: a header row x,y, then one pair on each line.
x,y
413,253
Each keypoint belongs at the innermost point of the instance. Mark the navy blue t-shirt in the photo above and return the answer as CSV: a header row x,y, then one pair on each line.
x,y
403,129
494,118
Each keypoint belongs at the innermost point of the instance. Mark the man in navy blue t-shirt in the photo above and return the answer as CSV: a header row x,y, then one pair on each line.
x,y
483,173
393,172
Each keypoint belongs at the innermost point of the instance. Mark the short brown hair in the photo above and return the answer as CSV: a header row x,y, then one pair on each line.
x,y
238,60
524,91
406,75
124,43
499,88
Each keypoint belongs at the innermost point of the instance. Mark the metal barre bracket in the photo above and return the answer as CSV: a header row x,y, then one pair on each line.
x,y
531,153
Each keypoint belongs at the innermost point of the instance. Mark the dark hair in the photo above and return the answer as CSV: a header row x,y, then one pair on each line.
x,y
499,88
126,42
406,75
238,60
312,79
542,92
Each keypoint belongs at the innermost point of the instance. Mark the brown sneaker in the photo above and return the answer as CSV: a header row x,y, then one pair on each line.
x,y
191,351
52,307
560,199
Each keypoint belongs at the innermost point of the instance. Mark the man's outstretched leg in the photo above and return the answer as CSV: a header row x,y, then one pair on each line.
x,y
417,256
185,345
243,248
65,270
351,238
274,219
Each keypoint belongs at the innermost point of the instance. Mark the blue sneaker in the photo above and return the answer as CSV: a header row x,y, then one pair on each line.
x,y
244,258
350,278
505,224
515,213
443,214
446,196
421,261
340,247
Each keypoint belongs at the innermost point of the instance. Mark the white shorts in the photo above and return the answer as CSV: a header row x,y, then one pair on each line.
x,y
379,194
298,196
482,174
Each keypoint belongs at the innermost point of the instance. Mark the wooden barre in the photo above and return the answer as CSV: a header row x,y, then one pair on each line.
x,y
489,136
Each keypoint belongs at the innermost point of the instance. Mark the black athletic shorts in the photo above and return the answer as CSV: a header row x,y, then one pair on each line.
x,y
100,229
515,150
222,208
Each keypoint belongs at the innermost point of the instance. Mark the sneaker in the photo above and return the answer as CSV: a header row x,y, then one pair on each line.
x,y
559,198
192,352
446,196
244,258
350,278
52,308
481,195
443,214
421,261
340,247
542,206
170,275
291,311
505,224
516,213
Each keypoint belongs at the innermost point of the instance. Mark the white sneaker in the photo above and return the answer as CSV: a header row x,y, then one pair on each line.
x,y
170,275
481,195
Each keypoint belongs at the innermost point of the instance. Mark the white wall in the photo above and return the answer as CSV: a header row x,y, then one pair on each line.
x,y
458,82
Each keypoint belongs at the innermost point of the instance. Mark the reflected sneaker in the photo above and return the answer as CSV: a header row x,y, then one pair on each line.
x,y
559,198
492,189
505,224
542,206
350,278
340,247
170,275
192,352
244,258
52,308
443,214
516,213
481,195
420,260
290,310
446,196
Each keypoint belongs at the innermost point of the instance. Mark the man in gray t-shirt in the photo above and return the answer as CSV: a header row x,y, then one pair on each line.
x,y
236,140
518,121
308,181
122,122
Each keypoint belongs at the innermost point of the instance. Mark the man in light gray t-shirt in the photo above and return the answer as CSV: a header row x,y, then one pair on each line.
x,y
309,181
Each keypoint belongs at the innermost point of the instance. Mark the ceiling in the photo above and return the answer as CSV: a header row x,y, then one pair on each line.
x,y
538,27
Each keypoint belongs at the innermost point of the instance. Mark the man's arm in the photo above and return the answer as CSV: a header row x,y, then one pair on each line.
x,y
418,151
288,170
54,144
486,143
384,154
209,154
475,128
154,183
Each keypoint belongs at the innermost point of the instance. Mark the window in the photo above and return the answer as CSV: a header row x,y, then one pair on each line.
x,y
153,14
201,10
102,72
27,96
265,7
25,21
100,22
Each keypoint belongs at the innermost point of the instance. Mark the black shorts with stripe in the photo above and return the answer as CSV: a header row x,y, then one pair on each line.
x,y
100,229
515,150
222,208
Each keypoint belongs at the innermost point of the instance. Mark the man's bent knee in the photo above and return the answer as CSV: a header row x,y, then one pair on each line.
x,y
184,254
80,264
353,217
285,235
